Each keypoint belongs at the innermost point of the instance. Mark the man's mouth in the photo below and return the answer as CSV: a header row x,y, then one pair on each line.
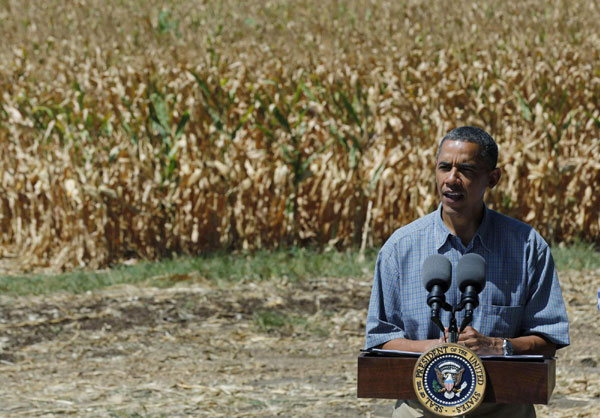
x,y
453,196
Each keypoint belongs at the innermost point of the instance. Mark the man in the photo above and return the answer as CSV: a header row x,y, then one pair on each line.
x,y
521,309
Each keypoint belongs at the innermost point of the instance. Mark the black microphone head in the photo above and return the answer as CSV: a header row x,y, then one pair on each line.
x,y
470,271
437,270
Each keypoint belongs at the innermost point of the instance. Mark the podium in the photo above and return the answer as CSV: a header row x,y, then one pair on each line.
x,y
508,381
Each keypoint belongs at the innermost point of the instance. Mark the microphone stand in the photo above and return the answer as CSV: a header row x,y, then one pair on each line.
x,y
453,327
453,331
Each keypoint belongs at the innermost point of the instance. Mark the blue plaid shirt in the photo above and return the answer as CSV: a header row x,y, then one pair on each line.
x,y
522,295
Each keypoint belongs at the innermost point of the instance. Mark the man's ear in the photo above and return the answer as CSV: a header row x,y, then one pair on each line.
x,y
494,177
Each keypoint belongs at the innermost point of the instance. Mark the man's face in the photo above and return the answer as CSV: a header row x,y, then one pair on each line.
x,y
462,178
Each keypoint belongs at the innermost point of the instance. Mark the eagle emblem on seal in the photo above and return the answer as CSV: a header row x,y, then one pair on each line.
x,y
449,380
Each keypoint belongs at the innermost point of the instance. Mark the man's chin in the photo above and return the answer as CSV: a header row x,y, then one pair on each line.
x,y
450,205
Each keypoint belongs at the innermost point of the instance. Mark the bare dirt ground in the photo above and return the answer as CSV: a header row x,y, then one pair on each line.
x,y
246,349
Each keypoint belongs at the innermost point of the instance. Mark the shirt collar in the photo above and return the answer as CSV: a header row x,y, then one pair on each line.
x,y
442,233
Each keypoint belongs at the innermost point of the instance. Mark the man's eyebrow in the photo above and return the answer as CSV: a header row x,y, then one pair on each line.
x,y
467,165
460,165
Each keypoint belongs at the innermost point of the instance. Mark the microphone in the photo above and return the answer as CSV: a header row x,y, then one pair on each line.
x,y
437,277
470,278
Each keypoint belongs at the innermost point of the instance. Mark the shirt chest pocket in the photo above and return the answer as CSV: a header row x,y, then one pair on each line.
x,y
500,321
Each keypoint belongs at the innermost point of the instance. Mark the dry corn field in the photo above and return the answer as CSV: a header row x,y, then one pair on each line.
x,y
143,129
133,129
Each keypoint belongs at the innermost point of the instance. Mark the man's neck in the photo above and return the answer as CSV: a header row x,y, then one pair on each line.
x,y
464,226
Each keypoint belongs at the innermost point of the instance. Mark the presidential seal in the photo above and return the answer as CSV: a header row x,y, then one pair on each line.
x,y
449,380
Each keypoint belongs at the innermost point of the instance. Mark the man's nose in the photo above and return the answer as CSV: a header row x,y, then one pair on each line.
x,y
453,176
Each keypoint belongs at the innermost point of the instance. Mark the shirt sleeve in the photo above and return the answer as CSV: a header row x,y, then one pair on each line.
x,y
383,319
545,313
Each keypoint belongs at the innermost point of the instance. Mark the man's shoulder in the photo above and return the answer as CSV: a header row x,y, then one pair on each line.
x,y
418,229
511,228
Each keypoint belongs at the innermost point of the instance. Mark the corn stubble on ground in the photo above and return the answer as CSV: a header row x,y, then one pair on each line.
x,y
144,129
250,349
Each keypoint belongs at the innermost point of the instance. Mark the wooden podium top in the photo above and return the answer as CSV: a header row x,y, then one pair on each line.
x,y
508,381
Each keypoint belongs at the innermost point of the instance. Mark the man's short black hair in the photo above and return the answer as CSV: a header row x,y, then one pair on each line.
x,y
488,150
